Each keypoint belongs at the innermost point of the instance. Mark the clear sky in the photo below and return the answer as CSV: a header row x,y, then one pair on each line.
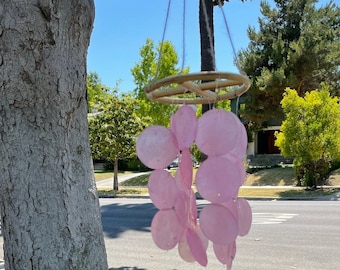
x,y
122,27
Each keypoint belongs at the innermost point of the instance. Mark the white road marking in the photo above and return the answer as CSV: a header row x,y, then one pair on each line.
x,y
271,218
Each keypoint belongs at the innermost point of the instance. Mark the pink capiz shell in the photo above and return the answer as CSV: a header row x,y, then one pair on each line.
x,y
217,132
223,138
225,253
184,126
244,216
163,189
185,169
196,246
218,179
157,147
218,224
166,230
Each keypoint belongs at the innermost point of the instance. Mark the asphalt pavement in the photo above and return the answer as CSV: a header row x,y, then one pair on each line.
x,y
285,235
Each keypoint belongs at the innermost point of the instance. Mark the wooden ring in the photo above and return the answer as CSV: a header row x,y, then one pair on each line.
x,y
208,87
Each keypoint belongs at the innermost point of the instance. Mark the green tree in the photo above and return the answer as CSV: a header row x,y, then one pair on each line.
x,y
310,133
155,63
113,131
96,91
297,46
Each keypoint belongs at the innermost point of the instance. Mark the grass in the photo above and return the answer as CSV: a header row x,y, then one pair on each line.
x,y
123,191
101,175
334,178
272,177
141,180
285,193
276,180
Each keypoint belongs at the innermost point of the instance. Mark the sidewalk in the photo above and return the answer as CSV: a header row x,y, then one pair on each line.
x,y
108,183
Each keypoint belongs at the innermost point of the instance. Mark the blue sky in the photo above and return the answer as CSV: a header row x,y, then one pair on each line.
x,y
122,27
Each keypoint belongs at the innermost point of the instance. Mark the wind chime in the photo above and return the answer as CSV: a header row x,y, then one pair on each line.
x,y
221,136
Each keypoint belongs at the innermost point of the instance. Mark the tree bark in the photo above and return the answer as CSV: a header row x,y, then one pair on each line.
x,y
206,22
49,203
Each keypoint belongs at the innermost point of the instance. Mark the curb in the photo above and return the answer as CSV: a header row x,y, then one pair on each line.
x,y
122,196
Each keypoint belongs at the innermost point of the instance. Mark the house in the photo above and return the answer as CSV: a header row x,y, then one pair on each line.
x,y
261,148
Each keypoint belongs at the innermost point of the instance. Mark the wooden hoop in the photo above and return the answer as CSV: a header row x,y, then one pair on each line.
x,y
202,84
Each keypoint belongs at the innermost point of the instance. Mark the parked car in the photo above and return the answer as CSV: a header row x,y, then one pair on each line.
x,y
175,163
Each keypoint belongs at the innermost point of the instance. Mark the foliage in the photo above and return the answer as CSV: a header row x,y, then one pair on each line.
x,y
155,63
127,164
96,91
114,129
307,193
310,133
140,180
297,46
335,164
134,164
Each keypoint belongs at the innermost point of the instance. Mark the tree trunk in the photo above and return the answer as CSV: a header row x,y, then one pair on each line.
x,y
206,22
49,204
115,174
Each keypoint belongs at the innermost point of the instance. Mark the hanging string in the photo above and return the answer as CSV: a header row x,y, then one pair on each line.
x,y
236,61
163,38
183,36
210,37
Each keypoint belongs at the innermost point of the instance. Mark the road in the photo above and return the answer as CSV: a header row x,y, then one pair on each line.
x,y
284,235
303,235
